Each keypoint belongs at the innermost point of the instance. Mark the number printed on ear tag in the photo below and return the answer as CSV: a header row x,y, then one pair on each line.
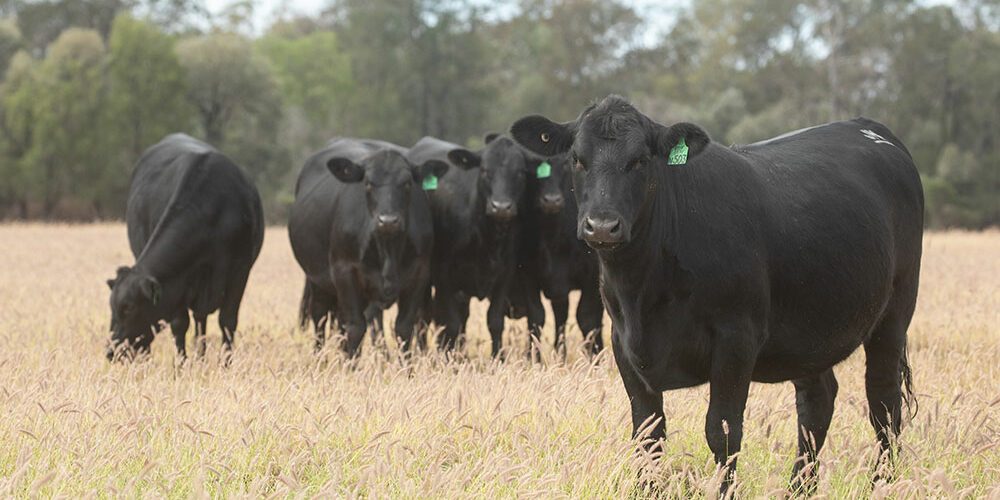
x,y
430,182
544,170
679,154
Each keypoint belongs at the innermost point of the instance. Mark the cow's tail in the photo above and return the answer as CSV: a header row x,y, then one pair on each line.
x,y
304,306
907,375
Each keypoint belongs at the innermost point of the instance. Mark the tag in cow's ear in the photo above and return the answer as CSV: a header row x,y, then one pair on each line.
x,y
345,170
679,142
430,182
678,154
151,289
544,170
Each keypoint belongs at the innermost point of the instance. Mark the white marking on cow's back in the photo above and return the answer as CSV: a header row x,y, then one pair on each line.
x,y
878,139
785,135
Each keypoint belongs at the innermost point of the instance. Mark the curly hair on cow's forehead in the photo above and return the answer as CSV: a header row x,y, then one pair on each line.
x,y
612,117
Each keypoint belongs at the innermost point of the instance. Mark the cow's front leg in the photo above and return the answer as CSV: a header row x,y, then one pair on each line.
x,y
733,356
494,322
350,310
410,302
647,403
179,327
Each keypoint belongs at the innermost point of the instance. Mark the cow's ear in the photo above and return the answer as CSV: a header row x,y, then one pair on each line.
x,y
542,136
437,168
679,142
111,284
490,137
151,289
345,170
464,159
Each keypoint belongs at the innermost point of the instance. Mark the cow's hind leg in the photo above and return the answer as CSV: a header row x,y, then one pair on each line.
x,y
229,313
200,322
887,373
814,398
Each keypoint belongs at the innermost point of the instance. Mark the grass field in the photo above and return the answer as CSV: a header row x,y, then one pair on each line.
x,y
281,422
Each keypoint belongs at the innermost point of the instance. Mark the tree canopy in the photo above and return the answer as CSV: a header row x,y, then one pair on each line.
x,y
89,84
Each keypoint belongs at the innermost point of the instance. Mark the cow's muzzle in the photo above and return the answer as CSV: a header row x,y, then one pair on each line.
x,y
603,232
551,203
388,223
501,210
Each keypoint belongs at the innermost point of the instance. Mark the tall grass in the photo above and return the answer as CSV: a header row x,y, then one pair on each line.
x,y
282,422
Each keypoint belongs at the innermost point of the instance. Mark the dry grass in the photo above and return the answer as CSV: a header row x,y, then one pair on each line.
x,y
281,422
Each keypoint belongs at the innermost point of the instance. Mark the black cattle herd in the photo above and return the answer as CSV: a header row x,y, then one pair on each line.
x,y
767,262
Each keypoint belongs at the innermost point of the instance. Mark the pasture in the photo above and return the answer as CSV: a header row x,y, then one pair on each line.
x,y
283,422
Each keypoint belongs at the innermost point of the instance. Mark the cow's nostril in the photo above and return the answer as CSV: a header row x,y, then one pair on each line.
x,y
588,225
615,227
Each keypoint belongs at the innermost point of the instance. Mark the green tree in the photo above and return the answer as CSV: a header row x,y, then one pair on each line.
x,y
17,109
10,42
67,111
226,78
146,98
316,80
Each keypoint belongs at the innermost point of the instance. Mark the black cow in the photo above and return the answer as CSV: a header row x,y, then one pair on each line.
x,y
563,262
195,226
476,232
361,230
768,262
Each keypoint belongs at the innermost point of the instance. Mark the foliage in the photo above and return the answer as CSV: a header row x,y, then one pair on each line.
x,y
401,69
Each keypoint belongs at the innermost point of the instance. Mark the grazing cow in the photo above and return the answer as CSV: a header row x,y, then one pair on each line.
x,y
562,261
476,209
195,226
361,230
768,262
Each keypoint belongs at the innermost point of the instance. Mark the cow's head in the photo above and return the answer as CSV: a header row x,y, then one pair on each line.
x,y
616,153
553,180
135,298
502,178
389,181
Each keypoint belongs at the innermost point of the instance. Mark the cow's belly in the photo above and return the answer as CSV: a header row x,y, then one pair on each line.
x,y
811,330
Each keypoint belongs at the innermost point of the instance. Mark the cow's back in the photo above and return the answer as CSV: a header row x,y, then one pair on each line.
x,y
180,172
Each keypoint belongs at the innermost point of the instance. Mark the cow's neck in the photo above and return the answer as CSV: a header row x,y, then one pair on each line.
x,y
656,235
390,251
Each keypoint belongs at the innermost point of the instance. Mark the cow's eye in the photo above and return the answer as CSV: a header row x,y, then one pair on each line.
x,y
368,186
520,174
483,173
407,185
638,163
577,164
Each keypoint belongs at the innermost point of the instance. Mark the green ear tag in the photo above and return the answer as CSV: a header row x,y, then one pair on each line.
x,y
544,170
430,182
156,298
679,154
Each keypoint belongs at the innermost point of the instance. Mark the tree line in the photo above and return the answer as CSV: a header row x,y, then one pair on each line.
x,y
89,84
